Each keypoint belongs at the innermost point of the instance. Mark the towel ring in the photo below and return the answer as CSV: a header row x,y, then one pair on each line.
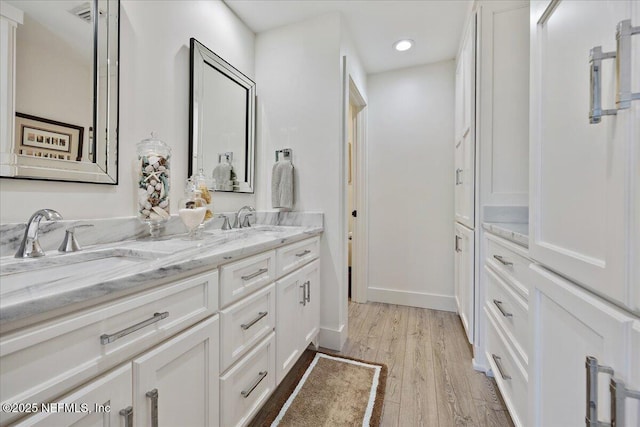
x,y
287,152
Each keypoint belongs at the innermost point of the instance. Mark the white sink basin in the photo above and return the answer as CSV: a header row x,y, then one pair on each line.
x,y
22,273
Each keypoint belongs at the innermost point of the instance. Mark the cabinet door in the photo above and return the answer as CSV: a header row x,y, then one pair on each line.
x,y
289,300
184,373
582,174
570,324
96,404
459,101
464,277
311,309
465,141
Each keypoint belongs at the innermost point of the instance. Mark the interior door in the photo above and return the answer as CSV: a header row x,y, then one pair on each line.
x,y
582,174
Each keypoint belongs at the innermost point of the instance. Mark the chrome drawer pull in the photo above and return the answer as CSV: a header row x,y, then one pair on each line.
x,y
458,179
261,314
153,395
107,339
303,253
502,310
304,294
595,91
593,369
127,413
308,285
256,274
503,373
246,393
502,261
619,393
457,243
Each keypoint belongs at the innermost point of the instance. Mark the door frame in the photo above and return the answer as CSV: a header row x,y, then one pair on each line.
x,y
360,242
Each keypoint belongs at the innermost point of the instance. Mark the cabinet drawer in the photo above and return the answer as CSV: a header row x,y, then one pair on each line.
x,y
291,257
510,261
510,311
46,360
245,323
509,374
246,386
240,278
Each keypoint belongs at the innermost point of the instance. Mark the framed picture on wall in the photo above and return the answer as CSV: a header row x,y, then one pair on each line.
x,y
48,137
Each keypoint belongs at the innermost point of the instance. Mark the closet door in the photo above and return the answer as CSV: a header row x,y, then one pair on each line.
x,y
582,175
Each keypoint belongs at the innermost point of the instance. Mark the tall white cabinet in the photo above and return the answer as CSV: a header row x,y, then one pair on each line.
x,y
584,176
584,215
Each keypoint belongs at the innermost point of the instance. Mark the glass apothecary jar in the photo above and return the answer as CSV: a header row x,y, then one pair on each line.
x,y
192,209
153,183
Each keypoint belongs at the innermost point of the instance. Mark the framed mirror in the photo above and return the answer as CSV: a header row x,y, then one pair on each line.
x,y
64,116
222,122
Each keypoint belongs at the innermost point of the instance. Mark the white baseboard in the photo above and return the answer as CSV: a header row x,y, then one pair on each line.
x,y
413,299
333,339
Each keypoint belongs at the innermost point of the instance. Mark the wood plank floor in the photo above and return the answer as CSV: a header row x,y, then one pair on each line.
x,y
430,379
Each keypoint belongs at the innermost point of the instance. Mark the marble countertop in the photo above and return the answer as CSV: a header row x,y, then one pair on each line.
x,y
152,263
513,231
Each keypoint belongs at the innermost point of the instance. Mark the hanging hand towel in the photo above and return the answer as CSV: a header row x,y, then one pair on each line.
x,y
282,185
222,176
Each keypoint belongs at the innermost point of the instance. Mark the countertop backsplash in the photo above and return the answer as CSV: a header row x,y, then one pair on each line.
x,y
110,230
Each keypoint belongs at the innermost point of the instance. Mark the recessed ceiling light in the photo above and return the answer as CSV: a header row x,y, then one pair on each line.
x,y
402,45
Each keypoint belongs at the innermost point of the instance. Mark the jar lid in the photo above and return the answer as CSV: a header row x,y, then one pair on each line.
x,y
153,141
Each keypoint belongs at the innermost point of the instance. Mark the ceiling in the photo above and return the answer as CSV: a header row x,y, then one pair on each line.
x,y
435,25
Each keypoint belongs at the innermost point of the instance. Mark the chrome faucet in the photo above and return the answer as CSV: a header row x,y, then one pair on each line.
x,y
30,247
237,223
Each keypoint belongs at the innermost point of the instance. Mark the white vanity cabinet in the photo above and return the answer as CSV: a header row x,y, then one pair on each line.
x,y
47,360
463,277
252,308
298,315
584,176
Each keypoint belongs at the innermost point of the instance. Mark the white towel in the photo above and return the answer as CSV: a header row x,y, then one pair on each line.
x,y
282,184
222,175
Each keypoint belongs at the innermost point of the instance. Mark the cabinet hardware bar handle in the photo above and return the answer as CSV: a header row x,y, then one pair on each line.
x,y
502,310
127,413
619,393
458,238
503,373
458,180
308,286
107,339
153,395
303,253
261,314
304,294
502,261
595,91
261,376
256,274
624,96
593,369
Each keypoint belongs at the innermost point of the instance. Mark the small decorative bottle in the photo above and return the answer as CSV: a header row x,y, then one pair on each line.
x,y
153,183
192,209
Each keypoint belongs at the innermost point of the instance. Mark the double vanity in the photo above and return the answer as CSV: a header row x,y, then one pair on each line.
x,y
158,332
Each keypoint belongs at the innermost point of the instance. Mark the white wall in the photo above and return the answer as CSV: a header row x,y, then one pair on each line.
x,y
299,107
53,81
410,152
154,78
